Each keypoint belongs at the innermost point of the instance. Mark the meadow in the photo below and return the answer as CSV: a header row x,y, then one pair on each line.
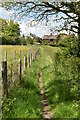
x,y
11,49
14,53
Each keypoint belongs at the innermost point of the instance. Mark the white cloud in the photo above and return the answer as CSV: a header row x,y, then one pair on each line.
x,y
3,13
26,29
39,29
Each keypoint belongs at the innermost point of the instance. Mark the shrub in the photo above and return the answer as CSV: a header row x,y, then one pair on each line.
x,y
71,43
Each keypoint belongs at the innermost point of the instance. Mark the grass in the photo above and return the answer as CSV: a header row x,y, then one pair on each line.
x,y
63,104
10,51
13,63
24,99
25,50
23,93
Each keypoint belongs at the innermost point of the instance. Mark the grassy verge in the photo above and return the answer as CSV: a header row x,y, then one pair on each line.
x,y
24,99
59,77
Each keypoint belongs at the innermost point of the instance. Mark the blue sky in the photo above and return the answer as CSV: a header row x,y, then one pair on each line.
x,y
40,29
4,14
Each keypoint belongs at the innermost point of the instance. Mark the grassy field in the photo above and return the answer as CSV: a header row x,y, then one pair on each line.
x,y
10,53
13,59
60,87
11,49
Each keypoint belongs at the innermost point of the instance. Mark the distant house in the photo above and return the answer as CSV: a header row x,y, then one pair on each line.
x,y
50,38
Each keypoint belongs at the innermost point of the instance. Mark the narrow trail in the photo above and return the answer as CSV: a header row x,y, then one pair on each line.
x,y
44,103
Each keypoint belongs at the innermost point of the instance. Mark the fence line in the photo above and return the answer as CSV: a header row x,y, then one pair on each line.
x,y
20,70
4,78
27,61
5,56
14,55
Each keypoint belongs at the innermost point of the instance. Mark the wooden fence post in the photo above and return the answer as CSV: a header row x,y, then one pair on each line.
x,y
11,71
5,56
29,60
12,74
35,54
14,54
20,69
25,52
25,62
4,78
32,57
20,53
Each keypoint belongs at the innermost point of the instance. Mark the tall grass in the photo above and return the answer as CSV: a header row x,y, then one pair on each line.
x,y
24,99
60,79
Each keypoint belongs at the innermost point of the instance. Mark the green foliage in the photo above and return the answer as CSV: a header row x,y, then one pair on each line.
x,y
71,43
24,99
10,32
66,70
29,40
23,41
66,83
13,29
60,79
45,42
58,38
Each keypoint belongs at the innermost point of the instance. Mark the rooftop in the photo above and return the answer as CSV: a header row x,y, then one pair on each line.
x,y
50,36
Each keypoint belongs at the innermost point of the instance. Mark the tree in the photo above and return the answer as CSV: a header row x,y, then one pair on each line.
x,y
13,29
29,40
44,10
10,32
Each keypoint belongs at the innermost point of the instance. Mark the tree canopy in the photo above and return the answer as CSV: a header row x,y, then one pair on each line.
x,y
10,32
40,10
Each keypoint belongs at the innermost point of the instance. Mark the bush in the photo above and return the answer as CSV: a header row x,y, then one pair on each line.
x,y
10,32
66,72
71,43
29,40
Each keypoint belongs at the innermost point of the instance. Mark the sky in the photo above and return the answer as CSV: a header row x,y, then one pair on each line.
x,y
40,29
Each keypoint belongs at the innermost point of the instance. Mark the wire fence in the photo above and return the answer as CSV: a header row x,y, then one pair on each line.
x,y
13,70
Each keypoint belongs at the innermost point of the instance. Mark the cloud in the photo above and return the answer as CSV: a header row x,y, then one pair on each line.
x,y
26,29
39,29
3,13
